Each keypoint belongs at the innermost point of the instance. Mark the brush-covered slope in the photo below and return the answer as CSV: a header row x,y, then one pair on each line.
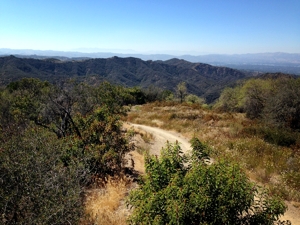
x,y
201,79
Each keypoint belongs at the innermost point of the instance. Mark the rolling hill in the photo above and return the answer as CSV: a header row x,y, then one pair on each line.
x,y
202,79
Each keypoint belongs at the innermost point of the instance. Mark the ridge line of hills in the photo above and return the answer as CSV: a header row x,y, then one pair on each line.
x,y
202,79
263,62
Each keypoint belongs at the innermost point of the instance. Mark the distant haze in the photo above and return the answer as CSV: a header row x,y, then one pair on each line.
x,y
254,58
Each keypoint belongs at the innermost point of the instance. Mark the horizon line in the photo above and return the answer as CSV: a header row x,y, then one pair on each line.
x,y
119,51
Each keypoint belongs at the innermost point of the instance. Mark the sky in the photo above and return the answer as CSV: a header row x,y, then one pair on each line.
x,y
152,26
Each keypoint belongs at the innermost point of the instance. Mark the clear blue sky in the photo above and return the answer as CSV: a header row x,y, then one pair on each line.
x,y
152,26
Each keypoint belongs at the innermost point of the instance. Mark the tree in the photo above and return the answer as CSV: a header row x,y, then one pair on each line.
x,y
274,101
172,193
230,100
283,106
167,95
86,116
181,91
54,107
49,106
113,97
138,96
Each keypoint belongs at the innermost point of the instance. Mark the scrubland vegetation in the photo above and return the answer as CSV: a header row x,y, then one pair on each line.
x,y
63,153
57,142
175,193
266,143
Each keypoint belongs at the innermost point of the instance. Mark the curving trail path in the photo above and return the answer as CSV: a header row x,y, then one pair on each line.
x,y
161,137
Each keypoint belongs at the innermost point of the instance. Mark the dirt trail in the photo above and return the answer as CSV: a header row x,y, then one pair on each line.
x,y
292,214
161,137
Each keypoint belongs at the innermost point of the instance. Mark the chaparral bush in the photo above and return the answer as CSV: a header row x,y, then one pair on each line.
x,y
176,190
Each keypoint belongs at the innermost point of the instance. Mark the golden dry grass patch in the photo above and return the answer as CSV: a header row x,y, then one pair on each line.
x,y
105,205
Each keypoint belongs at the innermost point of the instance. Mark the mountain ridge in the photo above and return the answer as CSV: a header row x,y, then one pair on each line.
x,y
254,62
202,79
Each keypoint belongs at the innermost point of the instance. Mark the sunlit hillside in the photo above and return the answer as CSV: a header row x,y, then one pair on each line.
x,y
71,148
231,136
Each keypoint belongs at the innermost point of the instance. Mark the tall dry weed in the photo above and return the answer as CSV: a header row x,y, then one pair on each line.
x,y
105,205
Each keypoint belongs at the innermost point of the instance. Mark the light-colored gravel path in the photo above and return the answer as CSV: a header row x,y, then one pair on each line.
x,y
161,137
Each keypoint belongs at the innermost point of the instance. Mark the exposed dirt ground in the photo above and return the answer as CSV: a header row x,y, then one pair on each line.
x,y
161,137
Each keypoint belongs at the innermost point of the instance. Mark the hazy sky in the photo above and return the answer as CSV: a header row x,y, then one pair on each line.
x,y
152,26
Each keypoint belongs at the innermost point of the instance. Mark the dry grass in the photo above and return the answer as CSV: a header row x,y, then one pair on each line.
x,y
225,133
105,205
265,163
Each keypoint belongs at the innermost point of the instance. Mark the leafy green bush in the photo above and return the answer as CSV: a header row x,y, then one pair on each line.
x,y
194,99
229,100
173,193
102,143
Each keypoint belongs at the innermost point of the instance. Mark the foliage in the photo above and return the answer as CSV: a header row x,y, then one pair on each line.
x,y
172,193
273,135
283,106
278,136
55,106
138,96
201,152
256,93
85,116
20,103
115,97
276,102
167,95
102,143
229,100
36,188
55,141
181,91
153,93
194,99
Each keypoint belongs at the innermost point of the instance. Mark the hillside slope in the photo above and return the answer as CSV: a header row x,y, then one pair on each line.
x,y
202,79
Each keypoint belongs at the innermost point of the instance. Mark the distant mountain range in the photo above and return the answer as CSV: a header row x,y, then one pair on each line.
x,y
201,79
261,62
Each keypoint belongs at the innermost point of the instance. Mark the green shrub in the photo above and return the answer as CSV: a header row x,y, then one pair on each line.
x,y
172,193
278,136
192,99
102,143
